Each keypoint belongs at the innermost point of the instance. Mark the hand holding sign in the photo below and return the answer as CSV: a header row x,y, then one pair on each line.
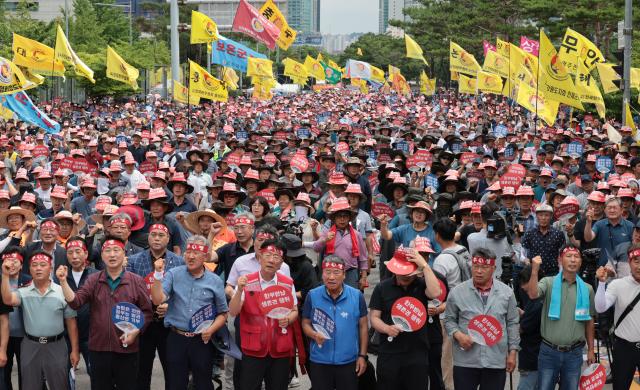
x,y
324,326
408,315
593,377
485,330
202,320
277,303
129,319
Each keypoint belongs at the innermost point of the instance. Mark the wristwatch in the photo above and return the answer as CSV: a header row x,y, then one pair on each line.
x,y
365,357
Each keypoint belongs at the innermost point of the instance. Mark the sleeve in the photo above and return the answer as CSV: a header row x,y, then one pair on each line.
x,y
167,284
232,279
220,297
143,301
513,319
592,306
363,262
4,309
543,286
69,312
363,306
397,233
368,228
307,307
605,298
595,227
320,244
451,314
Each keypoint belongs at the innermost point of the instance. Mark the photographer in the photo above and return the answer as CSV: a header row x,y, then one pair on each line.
x,y
493,236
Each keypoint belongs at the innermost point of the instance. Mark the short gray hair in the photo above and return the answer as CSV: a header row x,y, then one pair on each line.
x,y
197,239
121,216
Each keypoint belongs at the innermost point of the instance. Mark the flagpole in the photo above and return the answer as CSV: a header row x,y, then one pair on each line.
x,y
189,96
53,67
535,120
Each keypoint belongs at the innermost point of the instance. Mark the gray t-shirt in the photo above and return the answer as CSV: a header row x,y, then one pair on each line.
x,y
498,247
447,265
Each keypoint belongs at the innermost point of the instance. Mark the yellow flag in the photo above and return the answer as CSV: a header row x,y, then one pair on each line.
x,y
314,67
230,77
554,80
65,53
12,79
413,49
181,94
427,86
295,69
261,92
575,48
377,74
588,89
260,67
392,72
495,62
118,69
519,60
467,85
359,52
400,84
36,56
334,65
629,121
546,109
5,113
607,76
287,35
203,85
502,47
320,58
635,78
455,76
461,61
33,78
203,29
489,82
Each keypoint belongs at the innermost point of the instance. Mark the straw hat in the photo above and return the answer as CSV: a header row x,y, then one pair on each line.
x,y
192,219
26,214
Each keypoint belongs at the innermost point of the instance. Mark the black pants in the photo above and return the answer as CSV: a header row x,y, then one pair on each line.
x,y
189,354
435,370
403,371
626,358
13,349
112,369
333,377
466,378
154,338
274,372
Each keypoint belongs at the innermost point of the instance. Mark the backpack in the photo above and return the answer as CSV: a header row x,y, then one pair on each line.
x,y
463,258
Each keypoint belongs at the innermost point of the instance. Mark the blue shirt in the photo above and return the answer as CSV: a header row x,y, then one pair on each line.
x,y
188,294
405,234
142,264
86,209
608,237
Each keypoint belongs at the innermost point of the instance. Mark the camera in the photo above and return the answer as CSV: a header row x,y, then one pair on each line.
x,y
507,269
496,227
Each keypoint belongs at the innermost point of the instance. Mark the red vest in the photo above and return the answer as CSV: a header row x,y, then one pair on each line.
x,y
261,336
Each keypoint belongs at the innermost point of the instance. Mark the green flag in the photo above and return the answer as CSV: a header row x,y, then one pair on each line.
x,y
332,75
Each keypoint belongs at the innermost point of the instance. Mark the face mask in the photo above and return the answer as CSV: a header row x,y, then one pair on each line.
x,y
103,185
301,212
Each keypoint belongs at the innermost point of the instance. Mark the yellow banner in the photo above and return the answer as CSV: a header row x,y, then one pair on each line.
x,y
12,79
359,52
545,108
607,76
287,35
427,86
36,56
467,85
629,121
489,82
181,94
635,78
392,72
230,77
118,69
588,89
462,61
203,85
65,53
496,63
413,49
203,29
5,113
502,47
400,84
314,67
377,74
259,67
575,48
555,81
295,69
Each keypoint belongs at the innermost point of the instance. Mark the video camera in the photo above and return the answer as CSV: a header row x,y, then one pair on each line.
x,y
496,227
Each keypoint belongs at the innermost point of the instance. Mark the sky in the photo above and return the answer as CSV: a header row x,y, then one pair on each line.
x,y
348,16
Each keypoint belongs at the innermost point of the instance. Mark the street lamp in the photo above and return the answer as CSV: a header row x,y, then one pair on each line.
x,y
130,8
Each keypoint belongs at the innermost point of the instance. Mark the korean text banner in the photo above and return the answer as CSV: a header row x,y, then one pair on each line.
x,y
23,107
232,54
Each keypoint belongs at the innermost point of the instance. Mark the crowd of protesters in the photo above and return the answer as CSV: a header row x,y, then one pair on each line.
x,y
513,246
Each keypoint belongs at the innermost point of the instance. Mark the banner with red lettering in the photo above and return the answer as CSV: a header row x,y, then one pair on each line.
x,y
251,22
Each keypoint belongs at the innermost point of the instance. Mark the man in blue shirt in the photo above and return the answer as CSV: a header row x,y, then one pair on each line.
x,y
332,313
609,232
85,204
187,289
405,234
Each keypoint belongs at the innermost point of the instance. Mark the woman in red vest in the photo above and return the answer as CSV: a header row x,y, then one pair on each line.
x,y
267,344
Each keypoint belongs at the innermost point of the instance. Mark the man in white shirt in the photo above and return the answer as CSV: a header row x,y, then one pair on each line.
x,y
622,292
132,175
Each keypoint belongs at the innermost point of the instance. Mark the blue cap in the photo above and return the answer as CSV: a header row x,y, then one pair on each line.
x,y
534,167
586,177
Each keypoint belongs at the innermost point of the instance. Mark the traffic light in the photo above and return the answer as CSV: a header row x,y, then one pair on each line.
x,y
619,69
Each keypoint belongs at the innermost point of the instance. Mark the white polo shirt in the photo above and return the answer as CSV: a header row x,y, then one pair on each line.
x,y
621,292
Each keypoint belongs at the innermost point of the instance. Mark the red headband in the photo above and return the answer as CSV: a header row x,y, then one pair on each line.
x,y
50,225
264,236
121,220
243,221
198,248
158,227
479,260
332,265
41,257
76,244
13,256
569,249
272,249
634,253
112,243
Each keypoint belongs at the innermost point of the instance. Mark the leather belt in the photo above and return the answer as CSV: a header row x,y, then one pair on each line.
x,y
183,332
45,340
564,348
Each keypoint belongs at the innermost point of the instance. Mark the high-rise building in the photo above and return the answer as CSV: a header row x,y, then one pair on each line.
x,y
47,10
223,11
393,10
304,15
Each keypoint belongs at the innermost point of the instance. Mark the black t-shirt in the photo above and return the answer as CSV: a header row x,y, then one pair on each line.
x,y
578,234
227,255
5,309
465,231
383,297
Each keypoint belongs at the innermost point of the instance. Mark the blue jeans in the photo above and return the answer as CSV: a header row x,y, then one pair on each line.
x,y
562,366
528,380
352,277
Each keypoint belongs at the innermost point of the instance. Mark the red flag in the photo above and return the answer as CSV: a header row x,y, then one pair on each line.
x,y
251,22
487,46
529,45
